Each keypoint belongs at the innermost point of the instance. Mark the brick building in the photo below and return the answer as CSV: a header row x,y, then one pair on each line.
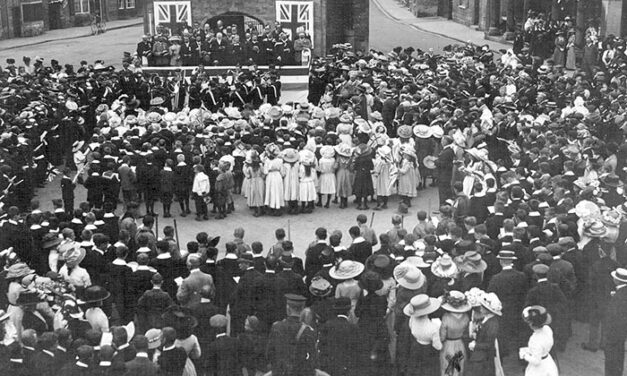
x,y
329,21
24,18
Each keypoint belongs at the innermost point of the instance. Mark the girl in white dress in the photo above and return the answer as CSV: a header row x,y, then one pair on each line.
x,y
326,166
307,184
273,170
537,353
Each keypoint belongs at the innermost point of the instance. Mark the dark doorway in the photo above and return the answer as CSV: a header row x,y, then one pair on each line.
x,y
54,15
241,20
17,21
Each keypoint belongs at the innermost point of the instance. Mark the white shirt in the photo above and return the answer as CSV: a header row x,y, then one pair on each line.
x,y
201,184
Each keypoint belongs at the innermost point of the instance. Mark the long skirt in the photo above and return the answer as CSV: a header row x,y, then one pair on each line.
x,y
256,192
344,182
449,350
307,191
274,190
327,183
423,360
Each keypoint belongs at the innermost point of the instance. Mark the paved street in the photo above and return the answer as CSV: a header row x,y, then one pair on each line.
x,y
386,33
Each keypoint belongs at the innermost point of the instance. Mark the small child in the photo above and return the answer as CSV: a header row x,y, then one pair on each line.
x,y
224,182
326,166
307,186
67,191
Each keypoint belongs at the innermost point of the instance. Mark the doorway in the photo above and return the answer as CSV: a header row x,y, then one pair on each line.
x,y
16,13
54,15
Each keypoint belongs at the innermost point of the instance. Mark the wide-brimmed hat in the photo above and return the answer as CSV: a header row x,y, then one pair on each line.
x,y
320,287
404,131
595,229
429,162
492,303
179,317
275,112
444,267
346,269
471,262
77,145
343,150
409,276
421,305
327,151
290,155
155,338
370,281
422,131
18,270
27,298
307,157
74,255
50,241
437,131
536,315
93,294
382,264
611,218
620,275
416,261
455,301
156,101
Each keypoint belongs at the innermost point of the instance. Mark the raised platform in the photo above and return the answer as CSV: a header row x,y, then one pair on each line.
x,y
293,77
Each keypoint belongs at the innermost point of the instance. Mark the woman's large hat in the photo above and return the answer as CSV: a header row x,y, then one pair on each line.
x,y
429,162
343,150
471,262
404,131
594,229
275,113
416,261
290,155
178,317
422,131
50,241
437,131
444,267
370,281
93,294
620,275
18,270
346,269
75,256
492,303
421,305
77,145
327,151
537,316
409,276
455,301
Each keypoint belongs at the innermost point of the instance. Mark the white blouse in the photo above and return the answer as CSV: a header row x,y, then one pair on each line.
x,y
426,331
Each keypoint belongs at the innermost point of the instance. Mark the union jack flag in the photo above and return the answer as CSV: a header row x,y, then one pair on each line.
x,y
295,16
173,15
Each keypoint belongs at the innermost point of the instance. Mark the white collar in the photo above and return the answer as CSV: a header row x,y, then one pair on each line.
x,y
119,262
210,261
257,256
508,267
81,364
109,215
169,348
270,271
104,363
164,256
142,355
231,256
48,352
122,347
220,335
167,169
28,348
542,279
321,242
59,210
62,349
359,239
205,300
343,316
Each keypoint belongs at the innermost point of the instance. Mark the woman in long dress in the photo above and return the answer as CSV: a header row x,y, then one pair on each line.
x,y
273,169
559,53
362,186
570,51
291,187
255,188
326,166
346,272
454,326
537,353
383,172
175,52
307,186
407,181
425,333
483,358
344,174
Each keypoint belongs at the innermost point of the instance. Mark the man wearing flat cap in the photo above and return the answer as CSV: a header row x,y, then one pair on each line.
x,y
291,344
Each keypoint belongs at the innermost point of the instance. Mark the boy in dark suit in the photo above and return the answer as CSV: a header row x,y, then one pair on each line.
x,y
141,365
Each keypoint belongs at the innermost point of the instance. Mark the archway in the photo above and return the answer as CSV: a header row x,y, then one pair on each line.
x,y
243,22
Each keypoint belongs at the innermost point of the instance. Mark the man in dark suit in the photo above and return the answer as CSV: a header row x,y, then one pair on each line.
x,y
138,282
173,358
510,285
615,325
313,262
222,355
141,365
269,303
152,305
339,343
61,353
360,249
388,112
94,261
444,164
294,281
243,299
83,365
44,361
287,256
291,344
203,311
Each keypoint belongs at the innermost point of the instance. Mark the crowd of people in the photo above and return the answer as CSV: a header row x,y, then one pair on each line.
x,y
223,45
529,234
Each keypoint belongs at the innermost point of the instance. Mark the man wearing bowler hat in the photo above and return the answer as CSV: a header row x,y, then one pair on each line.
x,y
291,344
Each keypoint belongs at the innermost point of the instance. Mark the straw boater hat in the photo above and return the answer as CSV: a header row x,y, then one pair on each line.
x,y
155,338
471,262
421,305
18,270
455,301
437,131
444,267
320,287
416,261
422,131
74,255
290,155
536,315
346,269
409,276
492,303
620,275
507,255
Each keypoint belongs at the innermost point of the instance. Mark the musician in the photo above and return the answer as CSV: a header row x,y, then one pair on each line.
x,y
257,94
273,90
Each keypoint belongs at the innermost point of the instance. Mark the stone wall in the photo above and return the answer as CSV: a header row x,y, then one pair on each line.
x,y
464,11
361,24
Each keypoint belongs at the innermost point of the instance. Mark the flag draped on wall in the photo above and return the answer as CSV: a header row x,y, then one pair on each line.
x,y
172,14
295,16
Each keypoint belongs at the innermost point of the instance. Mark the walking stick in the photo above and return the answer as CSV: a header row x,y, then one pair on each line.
x,y
371,219
289,230
157,227
176,233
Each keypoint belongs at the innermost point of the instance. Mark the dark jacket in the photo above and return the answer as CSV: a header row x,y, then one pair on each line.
x,y
291,348
338,345
223,356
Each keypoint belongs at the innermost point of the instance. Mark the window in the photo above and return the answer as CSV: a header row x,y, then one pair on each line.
x,y
130,4
121,4
32,12
81,6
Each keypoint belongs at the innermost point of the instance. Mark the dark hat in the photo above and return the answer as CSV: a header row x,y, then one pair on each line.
x,y
554,249
50,241
370,281
320,287
94,294
507,255
295,300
